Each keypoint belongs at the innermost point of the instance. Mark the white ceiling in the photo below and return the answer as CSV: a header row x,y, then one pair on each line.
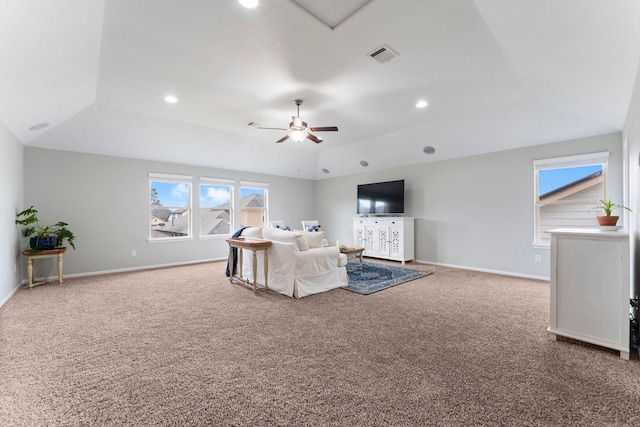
x,y
498,74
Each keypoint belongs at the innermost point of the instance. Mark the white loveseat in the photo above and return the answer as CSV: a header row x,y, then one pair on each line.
x,y
299,265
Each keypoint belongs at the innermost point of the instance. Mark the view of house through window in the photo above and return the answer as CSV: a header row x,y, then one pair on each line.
x,y
253,204
567,191
216,207
169,206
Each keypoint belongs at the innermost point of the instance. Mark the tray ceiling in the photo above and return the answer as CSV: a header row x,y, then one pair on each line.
x,y
91,76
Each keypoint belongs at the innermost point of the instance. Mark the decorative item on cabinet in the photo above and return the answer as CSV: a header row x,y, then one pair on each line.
x,y
607,206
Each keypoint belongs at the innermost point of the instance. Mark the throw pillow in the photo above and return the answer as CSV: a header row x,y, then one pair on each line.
x,y
315,239
252,232
283,227
311,228
302,243
278,235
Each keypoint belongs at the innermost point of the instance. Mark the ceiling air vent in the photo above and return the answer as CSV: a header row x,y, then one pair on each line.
x,y
383,54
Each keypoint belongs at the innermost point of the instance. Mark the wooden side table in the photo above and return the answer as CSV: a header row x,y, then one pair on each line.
x,y
52,253
255,245
356,252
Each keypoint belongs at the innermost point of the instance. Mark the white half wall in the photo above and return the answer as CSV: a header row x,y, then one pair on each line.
x,y
11,196
474,212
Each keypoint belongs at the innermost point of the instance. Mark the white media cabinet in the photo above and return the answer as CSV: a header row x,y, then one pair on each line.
x,y
591,287
385,237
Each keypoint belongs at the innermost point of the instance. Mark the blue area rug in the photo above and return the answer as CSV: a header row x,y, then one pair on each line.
x,y
372,278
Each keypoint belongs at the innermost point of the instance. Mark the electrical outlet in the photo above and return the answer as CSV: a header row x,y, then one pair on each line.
x,y
133,252
538,258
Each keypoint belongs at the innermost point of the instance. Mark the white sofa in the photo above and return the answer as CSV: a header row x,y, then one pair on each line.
x,y
299,265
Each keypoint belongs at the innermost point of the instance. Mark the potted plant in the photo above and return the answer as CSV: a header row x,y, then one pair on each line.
x,y
43,237
607,206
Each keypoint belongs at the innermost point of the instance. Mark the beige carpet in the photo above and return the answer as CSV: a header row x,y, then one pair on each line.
x,y
182,346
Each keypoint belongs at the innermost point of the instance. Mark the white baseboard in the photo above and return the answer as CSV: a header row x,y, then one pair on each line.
x,y
485,270
146,267
54,279
9,295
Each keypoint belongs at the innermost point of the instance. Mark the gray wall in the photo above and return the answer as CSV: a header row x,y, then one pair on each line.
x,y
474,212
11,189
105,201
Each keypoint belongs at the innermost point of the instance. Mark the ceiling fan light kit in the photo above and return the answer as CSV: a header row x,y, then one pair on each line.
x,y
298,130
298,135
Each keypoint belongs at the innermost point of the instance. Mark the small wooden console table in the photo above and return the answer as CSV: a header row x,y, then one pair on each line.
x,y
51,253
255,245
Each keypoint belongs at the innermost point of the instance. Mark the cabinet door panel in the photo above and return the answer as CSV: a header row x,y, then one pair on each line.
x,y
395,242
359,237
383,240
588,291
371,239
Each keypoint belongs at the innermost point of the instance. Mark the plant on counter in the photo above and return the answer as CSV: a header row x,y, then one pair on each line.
x,y
43,237
607,207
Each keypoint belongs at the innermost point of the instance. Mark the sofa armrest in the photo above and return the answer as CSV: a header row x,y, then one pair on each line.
x,y
317,260
282,256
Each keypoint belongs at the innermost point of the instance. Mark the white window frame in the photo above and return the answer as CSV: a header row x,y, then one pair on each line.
x,y
184,179
259,186
599,158
223,183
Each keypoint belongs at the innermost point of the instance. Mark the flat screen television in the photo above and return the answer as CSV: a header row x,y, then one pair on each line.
x,y
381,198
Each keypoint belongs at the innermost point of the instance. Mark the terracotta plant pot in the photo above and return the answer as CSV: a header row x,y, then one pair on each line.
x,y
607,220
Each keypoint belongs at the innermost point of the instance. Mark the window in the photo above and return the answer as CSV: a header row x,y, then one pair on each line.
x,y
169,206
253,203
216,207
566,191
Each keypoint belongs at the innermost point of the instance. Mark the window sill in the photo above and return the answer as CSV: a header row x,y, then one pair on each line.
x,y
214,237
541,246
169,239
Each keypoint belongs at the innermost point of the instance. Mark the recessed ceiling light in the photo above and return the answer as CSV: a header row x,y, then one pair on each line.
x,y
249,4
171,99
429,150
39,126
364,163
421,104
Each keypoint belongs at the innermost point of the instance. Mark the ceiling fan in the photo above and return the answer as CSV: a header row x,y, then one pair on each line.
x,y
298,129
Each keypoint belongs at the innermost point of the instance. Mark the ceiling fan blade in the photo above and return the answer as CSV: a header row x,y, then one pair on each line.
x,y
314,138
297,121
324,129
260,127
284,138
